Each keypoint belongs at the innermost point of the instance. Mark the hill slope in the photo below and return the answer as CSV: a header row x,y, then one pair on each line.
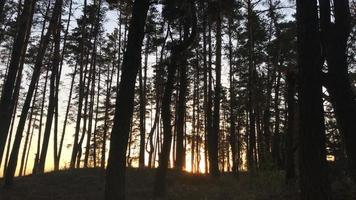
x,y
88,184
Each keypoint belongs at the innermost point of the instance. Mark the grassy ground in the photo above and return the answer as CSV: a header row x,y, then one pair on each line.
x,y
88,184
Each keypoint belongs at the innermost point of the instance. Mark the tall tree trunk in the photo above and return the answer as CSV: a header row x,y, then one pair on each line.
x,y
167,129
276,141
232,135
24,23
92,90
15,101
177,52
29,145
314,181
214,138
206,105
251,92
35,76
39,138
180,154
142,81
96,122
106,115
59,152
115,173
81,88
52,97
28,134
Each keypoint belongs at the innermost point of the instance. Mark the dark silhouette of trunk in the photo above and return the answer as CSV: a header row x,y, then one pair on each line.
x,y
314,181
210,95
176,54
251,94
180,154
160,182
213,139
335,37
35,76
92,90
81,89
106,116
115,173
52,97
159,91
15,100
276,140
86,84
23,27
57,157
29,146
37,157
232,134
194,132
198,137
142,82
28,134
206,105
272,72
291,126
10,136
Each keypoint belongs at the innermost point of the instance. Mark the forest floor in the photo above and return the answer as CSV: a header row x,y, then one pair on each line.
x,y
88,184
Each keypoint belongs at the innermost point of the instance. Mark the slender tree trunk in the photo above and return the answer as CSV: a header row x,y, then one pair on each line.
x,y
58,153
158,87
15,101
96,122
142,81
19,46
10,137
29,146
39,138
115,173
167,130
206,106
92,91
180,154
276,143
232,135
251,93
81,89
214,138
177,52
28,134
35,76
52,97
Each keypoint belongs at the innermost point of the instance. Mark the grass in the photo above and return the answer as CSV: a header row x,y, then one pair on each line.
x,y
88,184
